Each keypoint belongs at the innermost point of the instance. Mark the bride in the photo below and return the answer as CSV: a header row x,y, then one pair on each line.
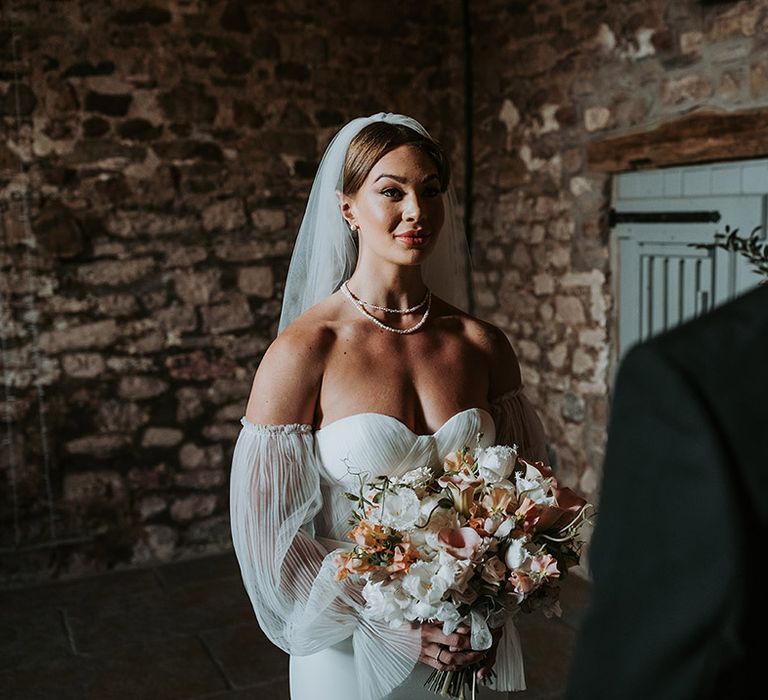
x,y
377,366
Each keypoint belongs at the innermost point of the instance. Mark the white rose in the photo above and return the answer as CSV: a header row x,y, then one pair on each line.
x,y
516,555
400,509
496,463
536,489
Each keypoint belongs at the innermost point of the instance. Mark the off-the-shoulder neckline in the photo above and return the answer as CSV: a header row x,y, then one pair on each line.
x,y
280,428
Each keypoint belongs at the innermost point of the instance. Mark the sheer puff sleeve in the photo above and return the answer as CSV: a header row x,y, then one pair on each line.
x,y
518,423
288,574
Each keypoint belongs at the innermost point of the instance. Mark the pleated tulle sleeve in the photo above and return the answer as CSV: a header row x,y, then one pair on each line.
x,y
288,574
518,423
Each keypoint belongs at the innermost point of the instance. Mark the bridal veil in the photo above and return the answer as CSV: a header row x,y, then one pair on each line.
x,y
325,252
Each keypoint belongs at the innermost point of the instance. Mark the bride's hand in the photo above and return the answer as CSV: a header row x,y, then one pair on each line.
x,y
447,652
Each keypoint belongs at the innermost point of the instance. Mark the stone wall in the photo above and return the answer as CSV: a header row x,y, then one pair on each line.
x,y
550,78
155,162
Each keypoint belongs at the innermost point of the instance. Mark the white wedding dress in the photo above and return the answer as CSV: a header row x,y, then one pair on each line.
x,y
289,513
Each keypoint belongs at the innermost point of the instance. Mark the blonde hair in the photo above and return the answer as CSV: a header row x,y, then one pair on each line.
x,y
374,141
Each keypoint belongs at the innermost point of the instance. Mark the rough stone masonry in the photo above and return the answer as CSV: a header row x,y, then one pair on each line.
x,y
155,161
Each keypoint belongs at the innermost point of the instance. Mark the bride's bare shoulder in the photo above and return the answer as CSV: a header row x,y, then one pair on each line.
x,y
474,329
494,345
287,381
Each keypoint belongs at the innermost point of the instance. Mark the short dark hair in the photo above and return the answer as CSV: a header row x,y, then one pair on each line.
x,y
374,141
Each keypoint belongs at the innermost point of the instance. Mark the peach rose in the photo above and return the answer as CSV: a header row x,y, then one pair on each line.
x,y
493,571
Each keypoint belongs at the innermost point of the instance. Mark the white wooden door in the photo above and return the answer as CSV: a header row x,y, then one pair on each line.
x,y
662,280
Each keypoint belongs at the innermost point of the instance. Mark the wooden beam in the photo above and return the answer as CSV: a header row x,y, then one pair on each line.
x,y
698,137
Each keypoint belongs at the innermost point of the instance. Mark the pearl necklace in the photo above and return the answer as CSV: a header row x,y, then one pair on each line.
x,y
360,305
410,310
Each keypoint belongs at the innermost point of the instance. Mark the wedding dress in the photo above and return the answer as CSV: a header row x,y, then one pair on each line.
x,y
289,513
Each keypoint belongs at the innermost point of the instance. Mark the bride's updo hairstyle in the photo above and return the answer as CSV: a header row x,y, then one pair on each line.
x,y
374,141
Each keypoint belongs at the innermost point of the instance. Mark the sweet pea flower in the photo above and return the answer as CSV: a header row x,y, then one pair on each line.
x,y
504,527
522,583
498,499
459,462
460,542
403,556
528,513
371,536
545,566
349,563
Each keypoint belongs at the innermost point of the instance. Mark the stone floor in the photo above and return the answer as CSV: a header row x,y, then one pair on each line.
x,y
186,630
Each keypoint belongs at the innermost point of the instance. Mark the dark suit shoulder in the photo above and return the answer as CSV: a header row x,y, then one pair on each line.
x,y
722,336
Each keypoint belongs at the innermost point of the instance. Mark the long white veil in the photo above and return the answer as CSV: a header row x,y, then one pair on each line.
x,y
325,253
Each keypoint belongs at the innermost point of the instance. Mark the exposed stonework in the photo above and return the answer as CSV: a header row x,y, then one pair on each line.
x,y
162,160
151,191
551,81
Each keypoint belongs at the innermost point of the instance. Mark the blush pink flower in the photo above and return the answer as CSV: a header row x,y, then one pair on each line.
x,y
498,499
460,542
536,517
545,566
459,461
521,582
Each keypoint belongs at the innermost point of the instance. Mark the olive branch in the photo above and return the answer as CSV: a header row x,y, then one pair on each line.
x,y
751,247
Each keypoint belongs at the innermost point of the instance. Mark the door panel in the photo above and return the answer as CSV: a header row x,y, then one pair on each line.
x,y
663,281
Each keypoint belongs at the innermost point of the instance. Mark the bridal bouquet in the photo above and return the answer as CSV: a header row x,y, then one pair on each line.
x,y
472,542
